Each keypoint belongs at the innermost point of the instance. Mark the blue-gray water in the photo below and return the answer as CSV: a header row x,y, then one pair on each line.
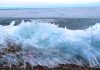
x,y
72,18
51,36
80,12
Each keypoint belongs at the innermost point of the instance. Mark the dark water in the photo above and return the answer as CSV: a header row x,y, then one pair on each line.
x,y
72,18
76,23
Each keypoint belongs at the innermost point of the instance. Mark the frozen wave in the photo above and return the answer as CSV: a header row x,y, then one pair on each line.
x,y
49,45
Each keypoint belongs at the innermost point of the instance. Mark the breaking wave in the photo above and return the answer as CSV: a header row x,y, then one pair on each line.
x,y
49,45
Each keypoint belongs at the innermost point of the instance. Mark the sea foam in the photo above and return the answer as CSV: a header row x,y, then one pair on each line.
x,y
49,45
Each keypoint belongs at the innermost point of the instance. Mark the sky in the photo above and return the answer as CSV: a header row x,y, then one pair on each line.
x,y
48,3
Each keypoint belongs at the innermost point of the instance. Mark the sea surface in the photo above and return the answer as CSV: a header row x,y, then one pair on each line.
x,y
79,12
49,37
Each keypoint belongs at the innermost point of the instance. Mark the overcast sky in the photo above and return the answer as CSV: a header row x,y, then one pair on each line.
x,y
48,3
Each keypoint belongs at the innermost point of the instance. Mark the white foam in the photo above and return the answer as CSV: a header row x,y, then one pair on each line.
x,y
49,45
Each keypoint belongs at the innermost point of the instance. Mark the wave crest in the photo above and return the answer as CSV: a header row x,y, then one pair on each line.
x,y
49,45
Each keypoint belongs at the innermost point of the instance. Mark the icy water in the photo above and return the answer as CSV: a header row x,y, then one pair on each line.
x,y
47,43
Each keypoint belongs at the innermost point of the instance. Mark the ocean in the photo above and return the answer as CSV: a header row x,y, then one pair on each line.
x,y
49,40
